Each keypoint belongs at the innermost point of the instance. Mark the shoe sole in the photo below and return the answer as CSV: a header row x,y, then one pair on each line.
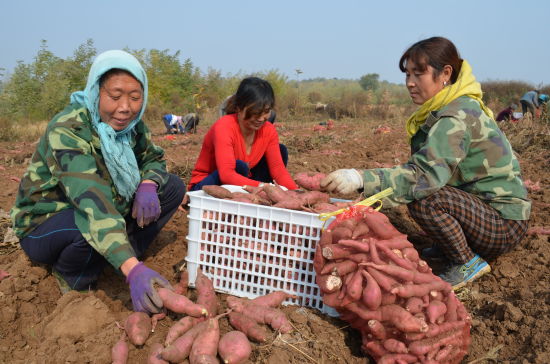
x,y
481,272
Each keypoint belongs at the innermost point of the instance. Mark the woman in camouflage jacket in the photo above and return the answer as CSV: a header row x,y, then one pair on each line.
x,y
97,190
462,183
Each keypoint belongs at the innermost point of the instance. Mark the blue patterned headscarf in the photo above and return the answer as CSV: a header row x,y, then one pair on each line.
x,y
115,145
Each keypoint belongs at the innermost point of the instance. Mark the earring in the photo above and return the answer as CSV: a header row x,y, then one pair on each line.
x,y
444,83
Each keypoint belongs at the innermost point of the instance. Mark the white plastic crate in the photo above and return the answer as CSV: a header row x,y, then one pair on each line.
x,y
249,250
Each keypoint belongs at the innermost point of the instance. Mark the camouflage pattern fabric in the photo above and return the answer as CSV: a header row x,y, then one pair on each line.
x,y
67,170
458,146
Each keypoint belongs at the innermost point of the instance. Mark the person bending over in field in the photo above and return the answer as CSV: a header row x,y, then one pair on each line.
x,y
241,148
462,183
97,191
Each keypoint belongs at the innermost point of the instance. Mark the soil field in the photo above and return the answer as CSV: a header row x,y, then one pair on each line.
x,y
510,307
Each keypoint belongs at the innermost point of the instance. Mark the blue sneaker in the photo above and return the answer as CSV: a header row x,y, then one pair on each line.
x,y
460,274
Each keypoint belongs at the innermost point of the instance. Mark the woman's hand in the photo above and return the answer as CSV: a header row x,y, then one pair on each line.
x,y
144,295
146,208
344,181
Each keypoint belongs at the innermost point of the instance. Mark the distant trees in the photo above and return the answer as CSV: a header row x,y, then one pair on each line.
x,y
369,82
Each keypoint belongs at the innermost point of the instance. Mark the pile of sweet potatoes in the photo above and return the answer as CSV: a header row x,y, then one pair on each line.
x,y
275,196
373,276
196,336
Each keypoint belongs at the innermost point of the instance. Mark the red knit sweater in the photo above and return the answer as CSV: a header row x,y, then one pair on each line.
x,y
224,144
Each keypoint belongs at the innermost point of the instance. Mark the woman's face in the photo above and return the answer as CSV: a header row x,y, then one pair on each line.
x,y
253,122
421,84
120,100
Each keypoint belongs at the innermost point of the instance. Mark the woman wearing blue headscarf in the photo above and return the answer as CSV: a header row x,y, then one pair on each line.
x,y
97,190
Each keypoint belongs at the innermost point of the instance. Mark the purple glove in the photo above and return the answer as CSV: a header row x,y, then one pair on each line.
x,y
144,295
146,207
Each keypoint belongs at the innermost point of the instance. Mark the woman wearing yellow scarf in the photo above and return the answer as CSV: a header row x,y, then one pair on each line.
x,y
462,183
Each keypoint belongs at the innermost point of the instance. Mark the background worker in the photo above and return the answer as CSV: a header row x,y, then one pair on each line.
x,y
462,183
529,102
507,113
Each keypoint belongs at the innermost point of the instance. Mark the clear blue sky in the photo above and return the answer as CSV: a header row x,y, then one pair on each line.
x,y
502,39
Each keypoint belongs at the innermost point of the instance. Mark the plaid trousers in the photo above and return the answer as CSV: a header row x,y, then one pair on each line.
x,y
462,225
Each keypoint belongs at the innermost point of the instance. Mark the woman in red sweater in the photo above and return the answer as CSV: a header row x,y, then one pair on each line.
x,y
241,148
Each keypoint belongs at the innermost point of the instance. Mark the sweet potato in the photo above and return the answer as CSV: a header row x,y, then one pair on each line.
x,y
372,295
318,260
380,225
335,251
435,310
291,204
421,347
402,262
154,354
217,191
248,326
309,180
205,346
403,274
156,318
384,281
183,283
206,296
402,319
272,299
376,329
414,305
376,349
119,352
138,328
419,290
395,346
178,329
234,348
361,229
181,304
275,193
355,285
179,350
340,233
313,197
358,246
267,315
326,238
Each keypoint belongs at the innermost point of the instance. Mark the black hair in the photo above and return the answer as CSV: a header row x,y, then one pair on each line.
x,y
254,94
436,52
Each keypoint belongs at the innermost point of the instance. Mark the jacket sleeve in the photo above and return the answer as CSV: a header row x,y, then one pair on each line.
x,y
427,170
150,157
96,217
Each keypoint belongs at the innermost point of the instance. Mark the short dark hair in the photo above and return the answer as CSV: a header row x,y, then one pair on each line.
x,y
253,93
436,52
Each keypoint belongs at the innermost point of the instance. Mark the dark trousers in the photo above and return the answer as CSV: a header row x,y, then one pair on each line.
x,y
527,106
59,243
259,173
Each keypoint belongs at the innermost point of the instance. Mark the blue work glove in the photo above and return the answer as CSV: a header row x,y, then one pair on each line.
x,y
144,295
146,208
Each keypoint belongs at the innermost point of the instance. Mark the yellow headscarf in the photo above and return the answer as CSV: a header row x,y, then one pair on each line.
x,y
465,85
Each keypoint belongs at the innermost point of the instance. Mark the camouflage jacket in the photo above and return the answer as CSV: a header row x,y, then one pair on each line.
x,y
458,146
67,170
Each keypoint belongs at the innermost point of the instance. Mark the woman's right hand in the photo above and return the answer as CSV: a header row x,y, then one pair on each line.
x,y
344,181
141,280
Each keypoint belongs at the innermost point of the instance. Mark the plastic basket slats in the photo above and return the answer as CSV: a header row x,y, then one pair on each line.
x,y
250,250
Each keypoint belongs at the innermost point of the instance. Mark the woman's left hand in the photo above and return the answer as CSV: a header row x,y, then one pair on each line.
x,y
146,207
